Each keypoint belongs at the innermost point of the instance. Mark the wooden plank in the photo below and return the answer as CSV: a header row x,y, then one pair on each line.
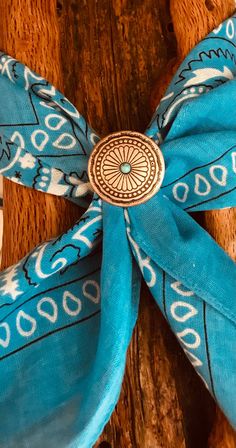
x,y
105,56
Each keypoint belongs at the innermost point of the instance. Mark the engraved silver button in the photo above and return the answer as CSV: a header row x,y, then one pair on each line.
x,y
126,168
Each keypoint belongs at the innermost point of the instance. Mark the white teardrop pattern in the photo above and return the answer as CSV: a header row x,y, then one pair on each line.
x,y
52,317
193,342
95,298
39,139
193,359
4,341
29,324
182,311
186,313
68,297
60,142
202,186
180,191
222,179
27,319
183,292
190,311
54,122
210,181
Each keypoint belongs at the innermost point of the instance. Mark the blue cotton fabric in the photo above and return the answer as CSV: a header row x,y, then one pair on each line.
x,y
68,309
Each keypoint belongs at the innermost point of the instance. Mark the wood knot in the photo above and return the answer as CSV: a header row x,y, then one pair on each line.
x,y
209,5
170,27
59,7
104,445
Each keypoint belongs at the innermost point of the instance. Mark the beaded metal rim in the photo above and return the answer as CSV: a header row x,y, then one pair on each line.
x,y
126,168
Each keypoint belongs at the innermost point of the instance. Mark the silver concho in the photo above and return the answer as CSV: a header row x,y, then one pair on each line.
x,y
126,168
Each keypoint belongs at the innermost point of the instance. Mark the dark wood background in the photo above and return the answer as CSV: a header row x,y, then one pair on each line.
x,y
110,57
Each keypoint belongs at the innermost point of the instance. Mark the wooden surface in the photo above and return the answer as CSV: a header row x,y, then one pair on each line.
x,y
107,57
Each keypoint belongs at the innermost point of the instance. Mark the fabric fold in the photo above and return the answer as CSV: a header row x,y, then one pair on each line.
x,y
173,240
56,255
210,64
41,134
193,282
204,177
48,341
120,291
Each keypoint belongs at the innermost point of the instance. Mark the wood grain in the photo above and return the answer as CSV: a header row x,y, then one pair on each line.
x,y
106,57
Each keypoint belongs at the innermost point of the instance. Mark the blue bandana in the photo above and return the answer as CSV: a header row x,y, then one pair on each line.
x,y
68,309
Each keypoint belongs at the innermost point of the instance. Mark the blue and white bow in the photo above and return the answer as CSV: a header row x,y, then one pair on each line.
x,y
68,309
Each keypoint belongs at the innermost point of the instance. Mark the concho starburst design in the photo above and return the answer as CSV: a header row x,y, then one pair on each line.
x,y
126,168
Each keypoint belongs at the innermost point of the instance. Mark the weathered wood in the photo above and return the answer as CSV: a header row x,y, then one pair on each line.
x,y
105,56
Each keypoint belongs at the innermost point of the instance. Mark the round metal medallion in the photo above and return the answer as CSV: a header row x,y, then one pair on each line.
x,y
126,168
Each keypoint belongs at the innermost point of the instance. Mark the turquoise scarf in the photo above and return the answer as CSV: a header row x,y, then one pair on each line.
x,y
68,309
